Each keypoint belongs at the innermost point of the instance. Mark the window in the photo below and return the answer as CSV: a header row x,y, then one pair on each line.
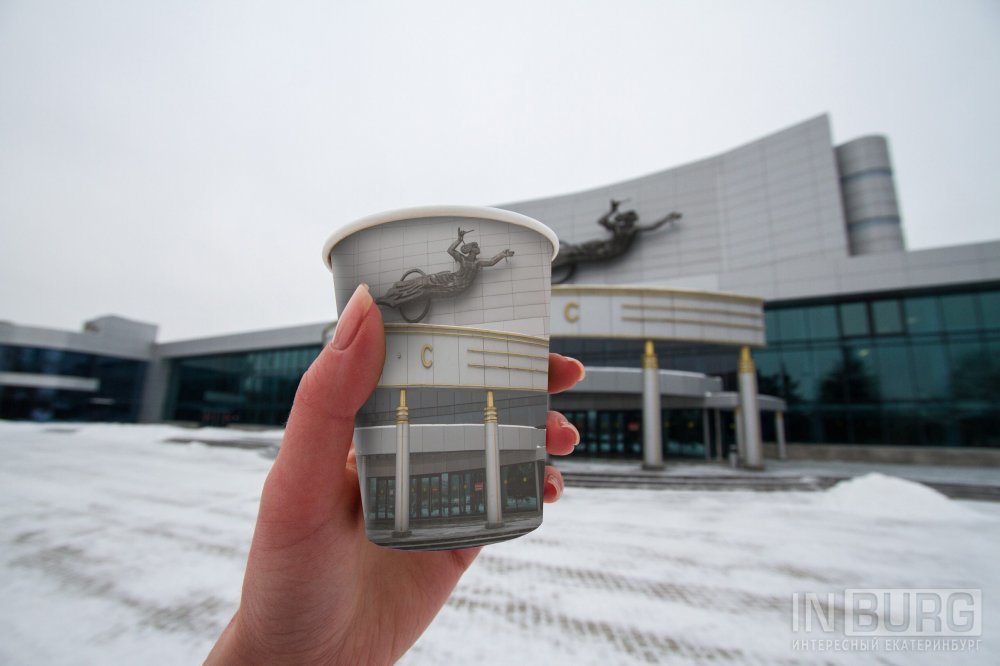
x,y
887,318
959,312
822,322
922,315
895,379
989,306
771,326
792,324
931,371
854,319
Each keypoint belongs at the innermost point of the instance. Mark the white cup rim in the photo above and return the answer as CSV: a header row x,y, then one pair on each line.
x,y
483,212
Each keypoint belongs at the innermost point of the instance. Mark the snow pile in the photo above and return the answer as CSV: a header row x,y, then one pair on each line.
x,y
878,495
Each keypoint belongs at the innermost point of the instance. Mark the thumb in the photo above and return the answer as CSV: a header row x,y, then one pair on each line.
x,y
308,478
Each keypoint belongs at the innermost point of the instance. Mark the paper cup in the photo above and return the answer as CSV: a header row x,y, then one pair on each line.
x,y
451,446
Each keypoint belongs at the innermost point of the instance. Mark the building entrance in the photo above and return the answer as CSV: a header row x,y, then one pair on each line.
x,y
617,433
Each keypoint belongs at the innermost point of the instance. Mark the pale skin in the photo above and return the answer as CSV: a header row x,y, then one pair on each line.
x,y
315,589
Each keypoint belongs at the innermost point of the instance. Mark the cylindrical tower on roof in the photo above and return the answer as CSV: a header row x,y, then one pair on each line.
x,y
869,192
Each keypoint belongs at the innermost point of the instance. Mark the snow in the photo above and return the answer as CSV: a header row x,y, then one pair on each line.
x,y
986,476
886,496
119,547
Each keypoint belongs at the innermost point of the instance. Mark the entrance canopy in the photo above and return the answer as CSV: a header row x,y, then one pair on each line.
x,y
683,390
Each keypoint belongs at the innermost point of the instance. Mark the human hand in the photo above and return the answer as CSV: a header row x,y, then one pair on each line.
x,y
461,234
508,253
316,590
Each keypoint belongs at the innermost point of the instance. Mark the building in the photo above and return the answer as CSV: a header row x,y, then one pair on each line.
x,y
866,343
94,375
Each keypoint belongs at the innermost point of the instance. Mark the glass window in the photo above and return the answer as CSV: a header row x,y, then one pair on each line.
x,y
822,322
931,371
895,377
959,312
989,306
828,367
799,379
445,495
969,369
435,495
372,498
854,319
771,326
769,372
792,324
425,495
922,315
887,318
860,370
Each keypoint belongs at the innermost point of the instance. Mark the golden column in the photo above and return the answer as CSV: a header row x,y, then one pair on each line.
x,y
494,513
652,431
402,504
752,455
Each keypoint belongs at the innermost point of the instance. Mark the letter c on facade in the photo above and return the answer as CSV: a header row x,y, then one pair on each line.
x,y
426,356
572,312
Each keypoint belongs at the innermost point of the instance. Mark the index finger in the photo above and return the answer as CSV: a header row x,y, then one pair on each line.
x,y
564,373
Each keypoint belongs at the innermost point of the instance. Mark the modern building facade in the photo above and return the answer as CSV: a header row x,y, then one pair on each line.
x,y
94,375
866,343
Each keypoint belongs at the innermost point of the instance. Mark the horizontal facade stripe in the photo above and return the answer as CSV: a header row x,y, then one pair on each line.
x,y
58,382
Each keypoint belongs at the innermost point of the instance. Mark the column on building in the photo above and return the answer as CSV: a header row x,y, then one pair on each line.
x,y
753,457
718,434
706,433
652,431
494,516
741,450
401,527
779,430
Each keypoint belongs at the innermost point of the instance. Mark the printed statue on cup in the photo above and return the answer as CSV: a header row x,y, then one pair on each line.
x,y
424,288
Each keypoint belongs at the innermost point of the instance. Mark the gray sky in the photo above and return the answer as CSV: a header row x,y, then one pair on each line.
x,y
183,162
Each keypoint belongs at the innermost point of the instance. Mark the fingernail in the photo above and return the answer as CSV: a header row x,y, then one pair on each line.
x,y
583,370
350,320
566,425
552,489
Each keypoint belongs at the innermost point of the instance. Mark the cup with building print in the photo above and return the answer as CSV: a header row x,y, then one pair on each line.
x,y
451,445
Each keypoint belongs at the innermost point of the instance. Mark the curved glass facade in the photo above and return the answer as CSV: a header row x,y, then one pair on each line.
x,y
915,368
255,387
918,368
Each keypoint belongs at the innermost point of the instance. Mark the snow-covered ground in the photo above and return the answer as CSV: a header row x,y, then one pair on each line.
x,y
118,547
984,476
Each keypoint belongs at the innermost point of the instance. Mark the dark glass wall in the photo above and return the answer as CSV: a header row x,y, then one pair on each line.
x,y
254,387
916,368
913,368
117,399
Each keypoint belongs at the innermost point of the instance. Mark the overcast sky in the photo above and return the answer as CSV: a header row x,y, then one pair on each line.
x,y
182,162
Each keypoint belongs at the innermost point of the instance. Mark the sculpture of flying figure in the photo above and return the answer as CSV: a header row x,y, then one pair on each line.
x,y
624,231
445,283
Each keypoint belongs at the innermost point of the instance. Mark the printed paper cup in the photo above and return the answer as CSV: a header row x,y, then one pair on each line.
x,y
451,446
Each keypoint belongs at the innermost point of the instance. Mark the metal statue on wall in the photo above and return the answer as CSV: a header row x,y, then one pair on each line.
x,y
624,231
424,288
